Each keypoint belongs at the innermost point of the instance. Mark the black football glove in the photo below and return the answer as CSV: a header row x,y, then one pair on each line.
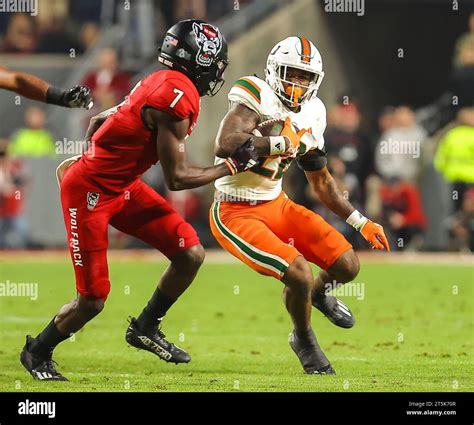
x,y
78,97
243,158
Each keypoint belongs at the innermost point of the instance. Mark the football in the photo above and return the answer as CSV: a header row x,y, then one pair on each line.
x,y
272,127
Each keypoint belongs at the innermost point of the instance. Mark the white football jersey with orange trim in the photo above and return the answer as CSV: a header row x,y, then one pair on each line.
x,y
263,182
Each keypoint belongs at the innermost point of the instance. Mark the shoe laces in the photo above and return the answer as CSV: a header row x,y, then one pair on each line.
x,y
158,333
157,330
50,365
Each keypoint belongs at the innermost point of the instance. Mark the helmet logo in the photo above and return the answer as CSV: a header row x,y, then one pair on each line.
x,y
209,40
304,50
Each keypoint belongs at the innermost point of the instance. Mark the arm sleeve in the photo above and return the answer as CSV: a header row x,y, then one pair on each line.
x,y
314,160
173,97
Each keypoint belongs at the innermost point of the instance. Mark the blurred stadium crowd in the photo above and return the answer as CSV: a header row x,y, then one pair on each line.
x,y
378,168
65,24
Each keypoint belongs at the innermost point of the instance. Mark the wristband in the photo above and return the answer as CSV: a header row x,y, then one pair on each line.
x,y
55,96
230,164
356,220
277,145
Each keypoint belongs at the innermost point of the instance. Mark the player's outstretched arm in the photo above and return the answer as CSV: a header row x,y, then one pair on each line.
x,y
179,174
236,127
35,88
326,188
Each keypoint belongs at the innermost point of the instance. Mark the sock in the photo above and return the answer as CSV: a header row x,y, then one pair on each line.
x,y
306,335
156,308
318,297
46,341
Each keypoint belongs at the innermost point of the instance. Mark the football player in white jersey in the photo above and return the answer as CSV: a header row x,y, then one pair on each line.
x,y
253,218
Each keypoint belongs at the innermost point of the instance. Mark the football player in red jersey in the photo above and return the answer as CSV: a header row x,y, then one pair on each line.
x,y
35,88
103,187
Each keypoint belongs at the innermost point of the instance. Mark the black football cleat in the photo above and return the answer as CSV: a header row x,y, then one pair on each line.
x,y
40,368
334,309
154,341
311,356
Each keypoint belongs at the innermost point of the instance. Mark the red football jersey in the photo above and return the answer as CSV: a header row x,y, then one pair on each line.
x,y
123,148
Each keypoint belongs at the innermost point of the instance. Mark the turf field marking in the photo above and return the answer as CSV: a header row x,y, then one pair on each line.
x,y
219,256
351,359
23,319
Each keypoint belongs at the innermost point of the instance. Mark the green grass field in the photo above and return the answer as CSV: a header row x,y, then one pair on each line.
x,y
414,332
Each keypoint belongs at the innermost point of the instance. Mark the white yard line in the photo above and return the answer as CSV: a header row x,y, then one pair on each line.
x,y
23,319
217,256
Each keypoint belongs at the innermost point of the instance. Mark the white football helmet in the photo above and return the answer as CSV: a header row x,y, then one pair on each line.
x,y
294,52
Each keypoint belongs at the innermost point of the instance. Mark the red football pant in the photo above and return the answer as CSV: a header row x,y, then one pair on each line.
x,y
138,211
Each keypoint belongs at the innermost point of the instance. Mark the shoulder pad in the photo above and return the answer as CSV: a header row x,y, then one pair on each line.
x,y
175,97
247,90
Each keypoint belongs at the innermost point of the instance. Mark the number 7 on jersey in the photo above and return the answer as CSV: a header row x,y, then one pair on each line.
x,y
179,95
